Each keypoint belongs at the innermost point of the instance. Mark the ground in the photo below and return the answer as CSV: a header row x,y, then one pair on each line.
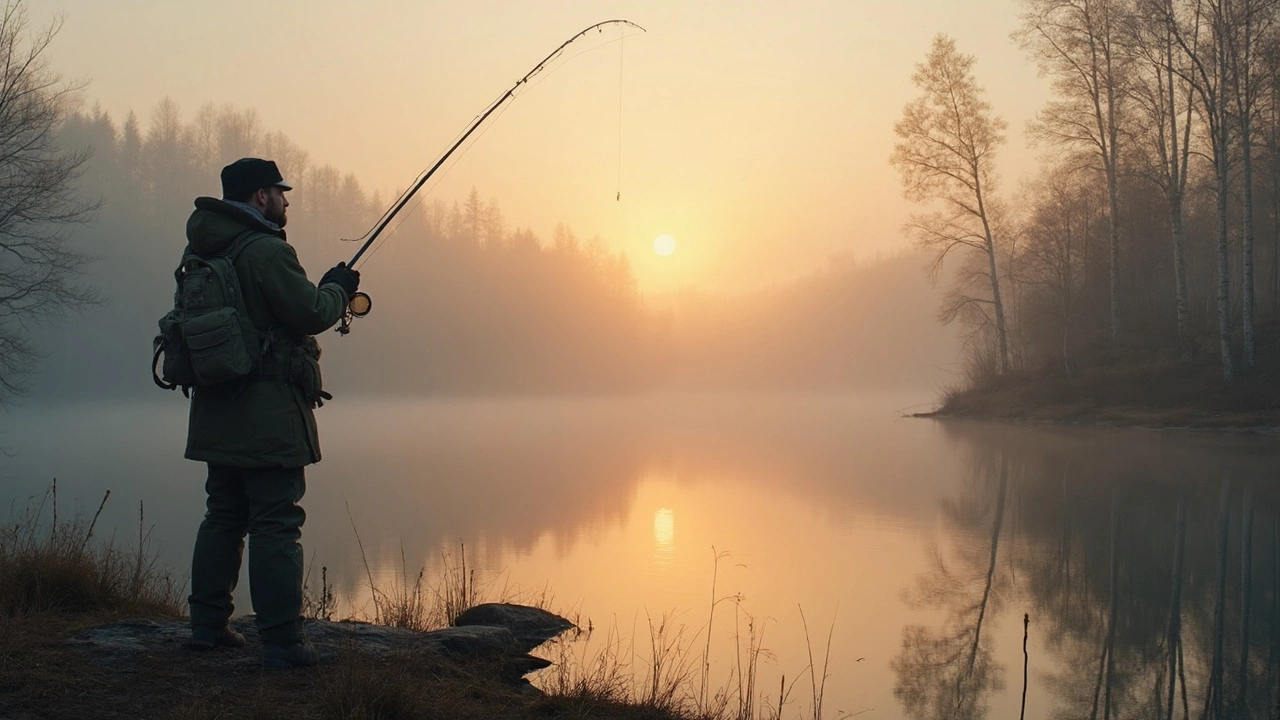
x,y
45,676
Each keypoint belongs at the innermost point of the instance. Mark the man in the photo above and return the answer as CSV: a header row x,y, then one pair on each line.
x,y
257,434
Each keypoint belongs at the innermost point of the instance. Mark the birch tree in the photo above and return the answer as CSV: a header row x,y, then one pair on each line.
x,y
1248,22
1200,28
1270,58
948,139
1077,43
1163,100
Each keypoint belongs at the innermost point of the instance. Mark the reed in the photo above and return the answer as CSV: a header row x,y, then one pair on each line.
x,y
669,672
51,566
412,602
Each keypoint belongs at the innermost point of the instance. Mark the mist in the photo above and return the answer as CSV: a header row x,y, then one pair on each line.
x,y
466,300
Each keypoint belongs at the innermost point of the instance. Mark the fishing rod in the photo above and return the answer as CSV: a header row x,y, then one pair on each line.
x,y
360,304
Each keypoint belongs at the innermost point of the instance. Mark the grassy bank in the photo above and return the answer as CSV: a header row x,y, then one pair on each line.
x,y
58,578
1128,389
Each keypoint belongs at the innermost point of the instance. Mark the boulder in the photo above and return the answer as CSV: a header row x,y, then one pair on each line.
x,y
530,626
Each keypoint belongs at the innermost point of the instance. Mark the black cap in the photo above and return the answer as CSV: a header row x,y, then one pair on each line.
x,y
249,174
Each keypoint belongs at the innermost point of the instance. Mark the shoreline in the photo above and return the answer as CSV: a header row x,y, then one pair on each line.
x,y
1123,419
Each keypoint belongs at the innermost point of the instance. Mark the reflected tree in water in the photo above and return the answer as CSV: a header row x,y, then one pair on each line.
x,y
1153,586
948,671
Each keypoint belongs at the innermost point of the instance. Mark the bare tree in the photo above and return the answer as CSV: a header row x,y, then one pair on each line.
x,y
1201,29
1270,60
39,271
1251,21
946,155
949,671
1076,42
1164,99
1065,209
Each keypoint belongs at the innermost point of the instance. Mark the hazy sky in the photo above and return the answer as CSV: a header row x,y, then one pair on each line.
x,y
757,133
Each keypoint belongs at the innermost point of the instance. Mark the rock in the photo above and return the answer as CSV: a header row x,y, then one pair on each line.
x,y
127,638
492,632
530,626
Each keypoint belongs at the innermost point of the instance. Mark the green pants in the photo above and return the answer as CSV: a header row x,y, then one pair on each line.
x,y
262,503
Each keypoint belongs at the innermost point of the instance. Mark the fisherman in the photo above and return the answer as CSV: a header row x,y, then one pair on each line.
x,y
257,434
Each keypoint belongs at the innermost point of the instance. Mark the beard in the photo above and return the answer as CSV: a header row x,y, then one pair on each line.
x,y
275,212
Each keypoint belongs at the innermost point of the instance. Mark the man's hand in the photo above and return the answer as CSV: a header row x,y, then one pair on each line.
x,y
344,277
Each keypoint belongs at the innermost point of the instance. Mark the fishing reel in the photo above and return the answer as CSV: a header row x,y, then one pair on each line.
x,y
357,307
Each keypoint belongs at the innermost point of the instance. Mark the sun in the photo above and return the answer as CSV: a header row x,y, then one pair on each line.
x,y
664,244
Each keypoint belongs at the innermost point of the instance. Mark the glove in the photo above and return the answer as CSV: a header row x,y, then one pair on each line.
x,y
344,277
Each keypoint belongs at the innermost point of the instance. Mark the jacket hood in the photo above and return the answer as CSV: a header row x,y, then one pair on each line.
x,y
215,224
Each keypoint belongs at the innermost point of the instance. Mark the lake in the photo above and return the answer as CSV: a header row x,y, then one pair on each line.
x,y
915,547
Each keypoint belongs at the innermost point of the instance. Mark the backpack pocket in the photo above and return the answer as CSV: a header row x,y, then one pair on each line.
x,y
304,372
217,347
176,368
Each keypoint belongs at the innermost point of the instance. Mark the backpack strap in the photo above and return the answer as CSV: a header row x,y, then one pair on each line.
x,y
266,338
242,241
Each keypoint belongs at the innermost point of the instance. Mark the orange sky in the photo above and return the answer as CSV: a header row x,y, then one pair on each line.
x,y
757,133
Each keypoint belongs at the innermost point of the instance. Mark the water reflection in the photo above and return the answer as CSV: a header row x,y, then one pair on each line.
x,y
1149,564
664,537
948,670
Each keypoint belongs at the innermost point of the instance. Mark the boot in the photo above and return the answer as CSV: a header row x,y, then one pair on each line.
x,y
281,657
204,637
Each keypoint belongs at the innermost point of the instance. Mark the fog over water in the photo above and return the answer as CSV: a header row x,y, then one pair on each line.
x,y
888,532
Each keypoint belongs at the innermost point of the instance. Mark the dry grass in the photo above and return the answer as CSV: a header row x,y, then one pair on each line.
x,y
669,673
416,605
365,687
56,566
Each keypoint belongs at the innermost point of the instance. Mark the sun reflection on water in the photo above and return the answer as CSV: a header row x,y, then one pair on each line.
x,y
664,534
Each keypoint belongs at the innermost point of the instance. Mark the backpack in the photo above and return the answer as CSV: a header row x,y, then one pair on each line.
x,y
208,337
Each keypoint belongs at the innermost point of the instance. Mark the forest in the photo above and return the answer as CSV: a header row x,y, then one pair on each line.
x,y
1150,235
464,301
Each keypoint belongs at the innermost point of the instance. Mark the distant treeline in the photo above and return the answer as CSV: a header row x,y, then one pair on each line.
x,y
463,302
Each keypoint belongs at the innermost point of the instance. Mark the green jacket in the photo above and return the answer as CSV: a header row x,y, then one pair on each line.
x,y
265,420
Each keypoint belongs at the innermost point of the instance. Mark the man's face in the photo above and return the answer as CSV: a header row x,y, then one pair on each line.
x,y
276,204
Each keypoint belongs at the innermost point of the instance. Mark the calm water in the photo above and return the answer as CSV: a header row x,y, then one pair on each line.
x,y
915,546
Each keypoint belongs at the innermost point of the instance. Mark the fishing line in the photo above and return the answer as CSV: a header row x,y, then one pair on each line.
x,y
543,76
360,303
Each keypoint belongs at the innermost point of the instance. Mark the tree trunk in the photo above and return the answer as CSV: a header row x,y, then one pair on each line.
x,y
991,565
1115,604
1246,605
1002,334
1275,240
1246,231
1213,695
1273,658
1106,663
1224,270
1175,604
1066,310
1066,352
1273,147
1113,239
1179,267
